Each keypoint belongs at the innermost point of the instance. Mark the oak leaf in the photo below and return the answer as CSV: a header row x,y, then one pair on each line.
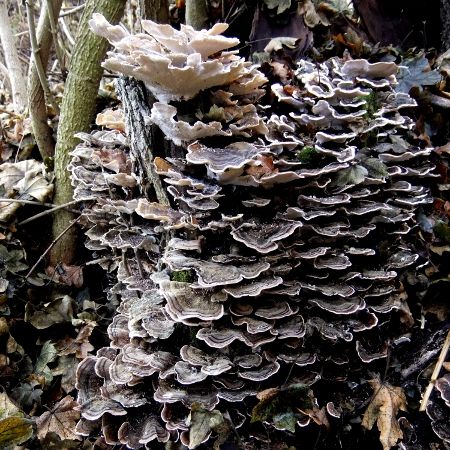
x,y
60,420
383,409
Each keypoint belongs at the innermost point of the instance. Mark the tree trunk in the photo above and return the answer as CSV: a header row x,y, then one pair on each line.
x,y
289,24
196,14
77,113
16,74
404,23
445,20
156,10
43,133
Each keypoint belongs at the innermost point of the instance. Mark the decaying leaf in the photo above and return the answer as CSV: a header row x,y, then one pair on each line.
x,y
80,346
285,421
67,368
311,16
415,72
280,406
23,178
47,355
276,44
60,420
375,168
201,422
383,409
57,311
7,407
281,5
11,260
318,415
63,273
352,175
15,430
27,395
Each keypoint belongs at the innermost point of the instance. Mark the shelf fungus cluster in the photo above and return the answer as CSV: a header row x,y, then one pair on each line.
x,y
291,223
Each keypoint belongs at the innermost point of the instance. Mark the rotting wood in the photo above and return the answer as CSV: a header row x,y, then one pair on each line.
x,y
136,107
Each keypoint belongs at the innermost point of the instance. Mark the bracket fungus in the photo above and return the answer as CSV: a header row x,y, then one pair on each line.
x,y
285,240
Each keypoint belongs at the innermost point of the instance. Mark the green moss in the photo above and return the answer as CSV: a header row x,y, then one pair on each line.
x,y
307,154
183,276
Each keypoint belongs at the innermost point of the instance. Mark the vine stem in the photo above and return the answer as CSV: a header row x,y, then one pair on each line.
x,y
60,235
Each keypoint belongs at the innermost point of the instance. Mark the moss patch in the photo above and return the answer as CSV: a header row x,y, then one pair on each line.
x,y
183,276
307,154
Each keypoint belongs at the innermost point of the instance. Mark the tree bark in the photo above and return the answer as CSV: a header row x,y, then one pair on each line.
x,y
156,10
77,114
137,106
290,24
445,20
196,14
43,133
404,23
12,61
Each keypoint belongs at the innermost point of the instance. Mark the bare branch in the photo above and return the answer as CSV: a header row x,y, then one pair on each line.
x,y
15,69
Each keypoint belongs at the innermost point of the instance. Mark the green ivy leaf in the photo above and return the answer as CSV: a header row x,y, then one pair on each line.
x,y
285,421
48,354
352,175
375,168
201,422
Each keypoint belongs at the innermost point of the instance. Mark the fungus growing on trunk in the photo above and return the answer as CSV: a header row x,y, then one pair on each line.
x,y
286,236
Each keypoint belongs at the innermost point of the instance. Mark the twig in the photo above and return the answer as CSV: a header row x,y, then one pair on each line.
x,y
37,59
72,11
49,211
60,235
66,32
22,33
435,374
26,202
54,30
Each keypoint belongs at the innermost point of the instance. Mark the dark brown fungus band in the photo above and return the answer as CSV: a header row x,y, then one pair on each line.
x,y
288,236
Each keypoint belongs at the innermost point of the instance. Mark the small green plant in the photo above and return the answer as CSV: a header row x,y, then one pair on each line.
x,y
182,276
371,106
306,154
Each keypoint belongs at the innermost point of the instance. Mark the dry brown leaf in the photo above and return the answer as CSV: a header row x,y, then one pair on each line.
x,y
80,346
63,273
383,409
60,420
281,70
319,416
311,16
7,407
